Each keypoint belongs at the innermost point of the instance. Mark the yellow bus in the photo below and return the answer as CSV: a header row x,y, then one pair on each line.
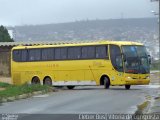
x,y
107,63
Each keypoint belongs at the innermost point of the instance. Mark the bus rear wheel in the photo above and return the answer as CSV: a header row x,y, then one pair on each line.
x,y
48,81
70,87
127,87
106,83
35,80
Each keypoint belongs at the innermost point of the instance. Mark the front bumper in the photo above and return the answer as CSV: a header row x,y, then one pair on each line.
x,y
137,82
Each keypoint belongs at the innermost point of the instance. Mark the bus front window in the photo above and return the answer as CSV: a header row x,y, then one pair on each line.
x,y
144,60
136,60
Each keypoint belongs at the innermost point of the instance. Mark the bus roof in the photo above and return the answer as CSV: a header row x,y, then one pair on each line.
x,y
81,43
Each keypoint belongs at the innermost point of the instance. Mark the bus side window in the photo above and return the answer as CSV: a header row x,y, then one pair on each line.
x,y
47,54
34,54
88,52
16,55
24,55
74,53
63,53
57,53
101,52
60,53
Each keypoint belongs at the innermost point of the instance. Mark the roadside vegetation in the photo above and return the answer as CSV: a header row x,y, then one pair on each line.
x,y
4,35
12,90
155,65
4,85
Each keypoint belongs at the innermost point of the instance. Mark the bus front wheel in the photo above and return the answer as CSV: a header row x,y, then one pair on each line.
x,y
106,83
127,87
48,81
70,87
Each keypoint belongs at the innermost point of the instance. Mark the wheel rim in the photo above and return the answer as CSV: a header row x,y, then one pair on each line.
x,y
35,80
48,82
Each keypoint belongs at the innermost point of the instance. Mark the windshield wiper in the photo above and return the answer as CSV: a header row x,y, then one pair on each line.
x,y
132,71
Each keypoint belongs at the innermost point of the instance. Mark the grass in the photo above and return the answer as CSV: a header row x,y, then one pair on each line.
x,y
155,65
4,85
12,90
143,106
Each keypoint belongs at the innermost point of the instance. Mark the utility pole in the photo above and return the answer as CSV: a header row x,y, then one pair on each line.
x,y
156,13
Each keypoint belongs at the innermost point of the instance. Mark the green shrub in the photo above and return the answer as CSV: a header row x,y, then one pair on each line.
x,y
12,90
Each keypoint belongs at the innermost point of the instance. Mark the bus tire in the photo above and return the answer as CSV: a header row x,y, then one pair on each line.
x,y
47,81
70,87
35,80
127,87
106,83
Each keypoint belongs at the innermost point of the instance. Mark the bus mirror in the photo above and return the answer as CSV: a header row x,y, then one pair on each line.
x,y
124,57
149,59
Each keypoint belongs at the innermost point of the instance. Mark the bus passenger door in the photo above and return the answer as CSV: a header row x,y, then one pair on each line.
x,y
117,65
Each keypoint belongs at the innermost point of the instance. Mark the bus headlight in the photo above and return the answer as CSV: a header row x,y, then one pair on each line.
x,y
128,78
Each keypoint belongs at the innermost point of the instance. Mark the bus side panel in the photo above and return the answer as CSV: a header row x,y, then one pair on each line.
x,y
67,70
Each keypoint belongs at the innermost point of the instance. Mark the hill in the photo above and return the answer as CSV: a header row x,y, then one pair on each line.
x,y
115,29
144,30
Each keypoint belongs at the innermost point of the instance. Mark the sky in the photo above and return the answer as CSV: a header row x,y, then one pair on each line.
x,y
33,12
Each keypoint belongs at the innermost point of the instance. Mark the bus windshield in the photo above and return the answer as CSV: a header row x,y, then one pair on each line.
x,y
136,59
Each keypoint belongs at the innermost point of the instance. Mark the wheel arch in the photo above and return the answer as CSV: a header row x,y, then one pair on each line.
x,y
102,79
46,77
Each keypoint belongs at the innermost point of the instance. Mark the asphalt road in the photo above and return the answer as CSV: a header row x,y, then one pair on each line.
x,y
81,100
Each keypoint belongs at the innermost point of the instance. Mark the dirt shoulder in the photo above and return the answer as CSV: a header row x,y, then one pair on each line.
x,y
5,79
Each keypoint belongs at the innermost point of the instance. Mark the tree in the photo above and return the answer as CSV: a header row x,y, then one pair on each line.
x,y
4,35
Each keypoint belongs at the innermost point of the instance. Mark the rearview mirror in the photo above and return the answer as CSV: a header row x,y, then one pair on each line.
x,y
149,59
